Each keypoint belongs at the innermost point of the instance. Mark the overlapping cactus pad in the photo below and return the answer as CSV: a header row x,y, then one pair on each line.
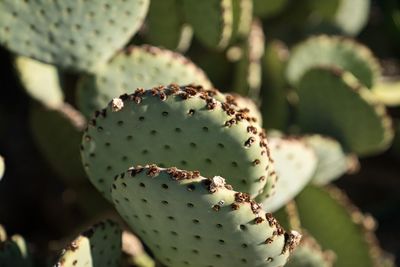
x,y
295,163
334,103
177,126
333,51
189,220
98,247
13,251
78,35
135,67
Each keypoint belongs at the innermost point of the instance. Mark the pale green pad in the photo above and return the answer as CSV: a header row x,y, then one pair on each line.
x,y
164,23
189,220
183,127
242,19
337,225
310,254
2,167
332,160
41,81
135,67
13,252
78,35
333,51
352,15
295,164
211,21
333,103
97,247
248,74
388,92
265,9
57,134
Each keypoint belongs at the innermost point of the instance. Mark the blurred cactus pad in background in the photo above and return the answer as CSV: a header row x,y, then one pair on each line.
x,y
199,133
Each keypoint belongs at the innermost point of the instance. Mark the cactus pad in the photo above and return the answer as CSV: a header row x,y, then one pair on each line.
x,y
57,133
242,18
338,52
267,9
211,21
98,247
332,160
350,237
169,31
40,81
388,92
135,67
333,103
77,35
310,254
2,167
295,164
183,127
13,252
189,220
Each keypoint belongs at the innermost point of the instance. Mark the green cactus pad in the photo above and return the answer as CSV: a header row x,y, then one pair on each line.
x,y
189,220
244,103
388,92
165,25
242,18
144,67
2,167
267,9
77,35
295,164
275,105
332,160
349,237
211,21
40,81
57,134
333,103
333,51
98,247
310,254
248,74
13,252
183,127
347,17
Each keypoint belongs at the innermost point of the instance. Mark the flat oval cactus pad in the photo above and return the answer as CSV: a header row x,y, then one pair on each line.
x,y
98,247
78,35
189,220
177,126
144,66
333,103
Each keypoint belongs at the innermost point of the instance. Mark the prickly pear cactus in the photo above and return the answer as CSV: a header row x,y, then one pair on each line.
x,y
310,254
214,29
40,81
77,35
13,251
338,52
135,67
333,162
98,247
198,221
177,126
334,103
295,163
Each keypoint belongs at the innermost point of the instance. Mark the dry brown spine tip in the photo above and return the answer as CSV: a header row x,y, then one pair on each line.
x,y
292,240
242,197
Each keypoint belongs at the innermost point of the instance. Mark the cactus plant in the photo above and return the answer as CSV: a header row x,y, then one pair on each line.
x,y
132,68
225,141
295,164
198,221
13,251
59,33
99,246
